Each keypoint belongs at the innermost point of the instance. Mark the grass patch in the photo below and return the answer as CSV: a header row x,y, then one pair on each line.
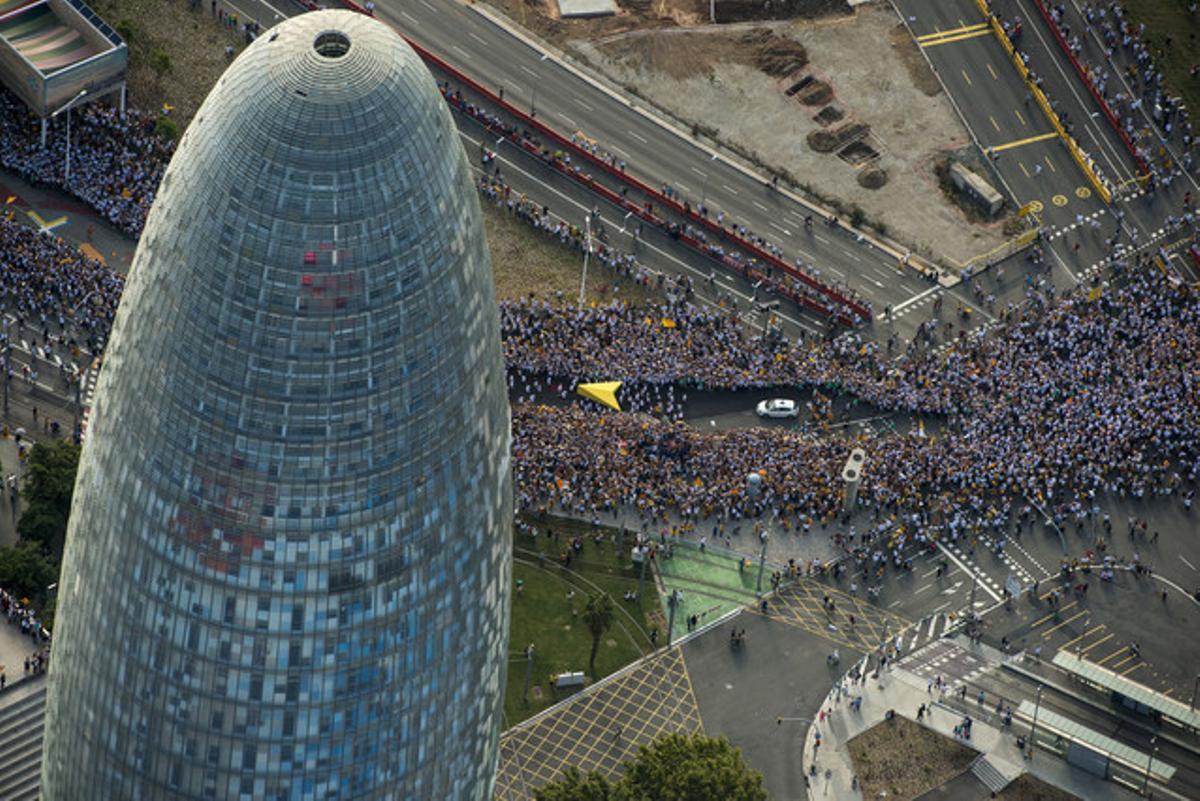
x,y
1170,18
1027,787
904,760
175,55
527,262
541,614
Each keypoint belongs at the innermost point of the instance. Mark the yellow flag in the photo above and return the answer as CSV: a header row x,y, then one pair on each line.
x,y
604,392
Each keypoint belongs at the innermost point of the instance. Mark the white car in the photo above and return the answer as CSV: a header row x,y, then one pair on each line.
x,y
778,407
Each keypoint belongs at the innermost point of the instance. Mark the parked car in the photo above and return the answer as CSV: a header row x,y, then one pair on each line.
x,y
778,408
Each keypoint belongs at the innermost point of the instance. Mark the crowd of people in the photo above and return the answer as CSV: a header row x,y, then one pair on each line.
x,y
1118,62
58,297
116,162
682,344
1092,396
25,618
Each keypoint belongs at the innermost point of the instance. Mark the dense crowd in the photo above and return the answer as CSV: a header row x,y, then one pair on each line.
x,y
1093,396
116,163
63,298
1117,60
707,349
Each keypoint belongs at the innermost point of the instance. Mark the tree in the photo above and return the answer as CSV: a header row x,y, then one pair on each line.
x,y
674,767
166,128
598,616
575,786
49,486
160,62
25,571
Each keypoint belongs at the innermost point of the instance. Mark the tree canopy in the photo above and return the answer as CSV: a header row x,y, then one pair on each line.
x,y
598,617
675,767
25,571
49,485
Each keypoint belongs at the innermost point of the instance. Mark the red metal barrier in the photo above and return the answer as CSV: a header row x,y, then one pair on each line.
x,y
856,309
1083,76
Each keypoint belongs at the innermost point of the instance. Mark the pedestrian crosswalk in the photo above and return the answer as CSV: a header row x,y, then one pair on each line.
x,y
945,665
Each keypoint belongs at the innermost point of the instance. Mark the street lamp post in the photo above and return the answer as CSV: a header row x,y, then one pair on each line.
x,y
1033,727
528,671
762,558
1150,764
587,250
67,108
672,605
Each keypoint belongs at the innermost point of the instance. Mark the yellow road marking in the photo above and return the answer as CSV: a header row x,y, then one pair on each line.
x,y
1087,633
1103,639
1128,658
1026,141
1021,164
1135,667
1052,614
995,124
1049,164
952,32
1017,111
995,77
1122,650
1053,629
950,39
967,78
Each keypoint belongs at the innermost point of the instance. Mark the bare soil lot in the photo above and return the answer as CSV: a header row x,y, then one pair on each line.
x,y
904,760
713,76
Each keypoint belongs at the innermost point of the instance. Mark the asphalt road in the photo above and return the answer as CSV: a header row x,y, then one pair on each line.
x,y
990,94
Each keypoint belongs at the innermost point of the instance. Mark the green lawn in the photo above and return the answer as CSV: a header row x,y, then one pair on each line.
x,y
541,614
1165,18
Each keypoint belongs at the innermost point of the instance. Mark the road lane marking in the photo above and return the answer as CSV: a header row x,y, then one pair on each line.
x,y
995,77
410,17
531,72
982,580
568,120
966,77
1050,164
1135,667
1017,143
995,125
430,6
1103,639
820,238
587,107
774,224
851,255
905,304
1040,621
640,138
1055,628
730,189
807,326
1017,111
1021,164
1183,559
1087,633
477,37
954,34
759,205
462,52
699,172
1124,649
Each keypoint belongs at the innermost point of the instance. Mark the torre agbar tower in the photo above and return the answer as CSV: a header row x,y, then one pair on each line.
x,y
287,570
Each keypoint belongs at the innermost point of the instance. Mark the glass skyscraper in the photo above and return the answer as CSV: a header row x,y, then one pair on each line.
x,y
287,571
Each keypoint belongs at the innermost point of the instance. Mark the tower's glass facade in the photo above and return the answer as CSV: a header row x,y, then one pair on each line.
x,y
287,568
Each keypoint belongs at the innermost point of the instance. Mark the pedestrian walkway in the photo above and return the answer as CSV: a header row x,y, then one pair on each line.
x,y
902,692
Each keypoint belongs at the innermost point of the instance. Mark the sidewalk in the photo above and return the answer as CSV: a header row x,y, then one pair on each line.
x,y
898,690
10,464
